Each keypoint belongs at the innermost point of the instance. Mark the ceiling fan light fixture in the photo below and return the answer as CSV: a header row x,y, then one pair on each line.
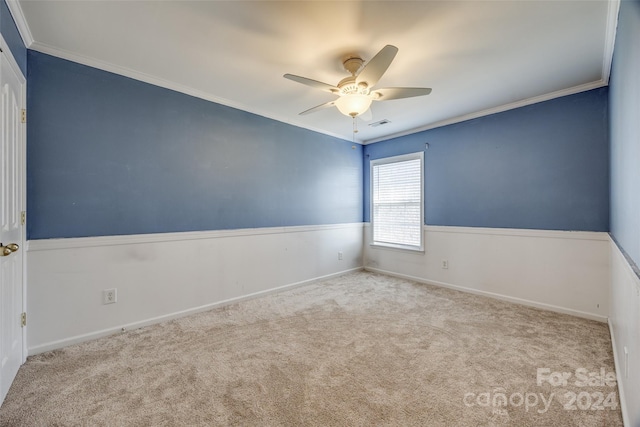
x,y
354,104
354,92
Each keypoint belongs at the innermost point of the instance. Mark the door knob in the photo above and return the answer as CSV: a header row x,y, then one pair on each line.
x,y
9,249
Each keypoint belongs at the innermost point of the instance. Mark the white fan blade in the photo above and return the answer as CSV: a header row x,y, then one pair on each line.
x,y
313,83
388,93
376,67
318,107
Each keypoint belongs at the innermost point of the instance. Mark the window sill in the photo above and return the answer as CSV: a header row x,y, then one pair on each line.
x,y
401,248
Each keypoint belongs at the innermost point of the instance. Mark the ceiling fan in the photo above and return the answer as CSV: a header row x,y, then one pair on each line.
x,y
354,92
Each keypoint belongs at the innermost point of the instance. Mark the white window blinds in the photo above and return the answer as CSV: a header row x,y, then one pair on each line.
x,y
397,201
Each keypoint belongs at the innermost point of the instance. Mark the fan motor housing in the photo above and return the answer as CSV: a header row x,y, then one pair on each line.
x,y
353,64
348,86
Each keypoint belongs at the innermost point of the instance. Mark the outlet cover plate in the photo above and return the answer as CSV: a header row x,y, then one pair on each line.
x,y
110,296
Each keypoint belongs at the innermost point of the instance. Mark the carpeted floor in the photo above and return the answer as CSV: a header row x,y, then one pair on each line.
x,y
362,349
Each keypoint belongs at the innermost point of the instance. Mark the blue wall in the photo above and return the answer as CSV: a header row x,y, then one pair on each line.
x,y
108,155
12,37
543,166
625,131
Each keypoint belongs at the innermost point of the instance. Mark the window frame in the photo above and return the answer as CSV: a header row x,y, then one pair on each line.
x,y
397,159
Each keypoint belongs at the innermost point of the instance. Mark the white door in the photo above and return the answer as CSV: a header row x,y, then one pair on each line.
x,y
12,180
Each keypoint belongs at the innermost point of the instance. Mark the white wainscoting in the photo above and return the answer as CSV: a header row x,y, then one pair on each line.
x,y
161,276
563,271
624,323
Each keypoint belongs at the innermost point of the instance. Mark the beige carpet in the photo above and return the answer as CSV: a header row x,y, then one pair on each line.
x,y
358,350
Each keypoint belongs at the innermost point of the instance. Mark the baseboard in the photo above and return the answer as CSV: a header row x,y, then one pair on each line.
x,y
515,300
621,398
54,345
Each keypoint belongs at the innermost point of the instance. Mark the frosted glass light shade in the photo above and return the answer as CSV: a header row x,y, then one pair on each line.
x,y
353,104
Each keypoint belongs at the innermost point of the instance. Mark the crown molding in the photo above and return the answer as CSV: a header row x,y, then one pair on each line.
x,y
499,109
610,38
157,81
21,22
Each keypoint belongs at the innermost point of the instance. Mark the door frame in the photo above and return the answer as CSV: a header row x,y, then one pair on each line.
x,y
13,64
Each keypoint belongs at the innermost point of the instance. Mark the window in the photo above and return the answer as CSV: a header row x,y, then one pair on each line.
x,y
396,201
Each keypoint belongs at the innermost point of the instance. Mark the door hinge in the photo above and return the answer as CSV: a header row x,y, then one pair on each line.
x,y
23,116
23,218
23,319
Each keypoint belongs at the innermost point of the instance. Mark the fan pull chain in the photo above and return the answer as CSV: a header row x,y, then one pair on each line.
x,y
355,130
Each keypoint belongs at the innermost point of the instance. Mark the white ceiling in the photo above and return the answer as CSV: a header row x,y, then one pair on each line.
x,y
478,56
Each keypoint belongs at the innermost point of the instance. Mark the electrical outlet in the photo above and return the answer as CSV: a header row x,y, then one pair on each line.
x,y
110,296
339,256
445,264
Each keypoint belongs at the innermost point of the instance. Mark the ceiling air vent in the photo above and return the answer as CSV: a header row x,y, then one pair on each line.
x,y
379,123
